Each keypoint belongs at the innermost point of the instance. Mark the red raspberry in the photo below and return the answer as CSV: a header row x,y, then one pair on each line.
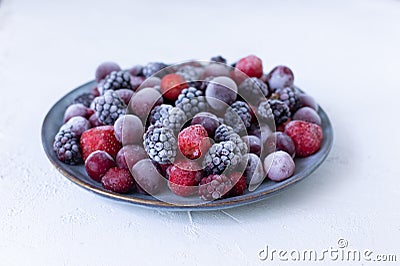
x,y
172,85
100,139
240,185
118,180
251,66
184,176
307,137
193,141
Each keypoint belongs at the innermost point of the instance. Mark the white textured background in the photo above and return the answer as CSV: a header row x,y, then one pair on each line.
x,y
344,53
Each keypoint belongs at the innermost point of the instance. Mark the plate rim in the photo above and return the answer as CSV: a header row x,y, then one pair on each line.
x,y
157,204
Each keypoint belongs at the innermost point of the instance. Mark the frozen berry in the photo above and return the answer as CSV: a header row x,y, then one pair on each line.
x,y
125,95
307,137
215,70
193,141
307,100
152,68
221,92
172,85
106,68
253,171
77,109
136,70
109,107
208,120
66,147
143,101
118,180
98,163
253,90
99,138
279,141
86,99
279,166
218,59
191,101
251,66
77,125
148,177
190,73
214,187
136,82
253,144
129,155
94,121
280,77
95,91
150,82
129,129
239,184
307,114
184,177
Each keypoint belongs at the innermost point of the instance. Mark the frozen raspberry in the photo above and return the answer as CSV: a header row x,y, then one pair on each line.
x,y
77,125
104,69
239,186
172,85
279,166
214,187
129,155
307,137
193,141
307,114
99,138
280,77
251,66
98,163
118,180
184,176
77,109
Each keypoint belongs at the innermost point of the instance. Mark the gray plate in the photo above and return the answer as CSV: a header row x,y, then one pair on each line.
x,y
77,174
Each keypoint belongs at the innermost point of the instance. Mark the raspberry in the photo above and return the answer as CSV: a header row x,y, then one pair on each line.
x,y
172,85
251,66
99,138
118,180
193,141
239,186
307,137
214,187
184,176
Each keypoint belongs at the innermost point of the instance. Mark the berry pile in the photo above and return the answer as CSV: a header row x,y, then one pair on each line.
x,y
206,130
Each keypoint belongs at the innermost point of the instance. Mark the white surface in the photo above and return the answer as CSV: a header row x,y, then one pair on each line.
x,y
344,53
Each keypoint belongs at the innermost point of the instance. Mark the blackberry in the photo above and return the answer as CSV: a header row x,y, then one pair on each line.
x,y
160,144
168,116
214,187
274,109
86,99
226,133
253,90
191,101
109,107
238,116
189,73
152,68
289,96
218,59
220,157
66,146
116,80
